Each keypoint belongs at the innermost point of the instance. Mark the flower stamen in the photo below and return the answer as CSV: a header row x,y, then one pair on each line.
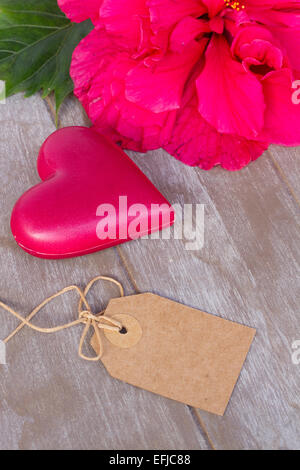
x,y
235,5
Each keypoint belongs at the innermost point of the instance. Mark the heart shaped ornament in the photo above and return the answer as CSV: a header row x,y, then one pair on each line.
x,y
92,196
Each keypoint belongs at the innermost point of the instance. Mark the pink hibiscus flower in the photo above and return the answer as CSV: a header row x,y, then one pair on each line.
x,y
210,81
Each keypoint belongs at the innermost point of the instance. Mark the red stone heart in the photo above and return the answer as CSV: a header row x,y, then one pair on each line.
x,y
83,176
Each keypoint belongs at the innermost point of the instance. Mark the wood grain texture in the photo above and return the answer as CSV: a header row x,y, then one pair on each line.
x,y
247,271
49,398
287,163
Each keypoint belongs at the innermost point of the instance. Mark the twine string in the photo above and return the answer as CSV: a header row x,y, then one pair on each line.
x,y
97,321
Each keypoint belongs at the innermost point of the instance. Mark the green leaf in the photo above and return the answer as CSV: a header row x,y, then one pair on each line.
x,y
36,46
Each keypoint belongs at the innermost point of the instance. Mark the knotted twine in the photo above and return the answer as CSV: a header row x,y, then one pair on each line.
x,y
85,316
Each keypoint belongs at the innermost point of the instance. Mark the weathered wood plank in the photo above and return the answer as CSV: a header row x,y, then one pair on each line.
x,y
287,163
51,399
247,272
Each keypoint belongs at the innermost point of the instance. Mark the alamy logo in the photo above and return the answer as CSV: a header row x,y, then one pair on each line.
x,y
2,92
296,353
134,221
296,94
2,353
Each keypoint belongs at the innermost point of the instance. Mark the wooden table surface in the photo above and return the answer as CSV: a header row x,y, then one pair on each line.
x,y
247,271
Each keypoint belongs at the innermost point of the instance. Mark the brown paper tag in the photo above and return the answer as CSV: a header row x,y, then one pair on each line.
x,y
175,351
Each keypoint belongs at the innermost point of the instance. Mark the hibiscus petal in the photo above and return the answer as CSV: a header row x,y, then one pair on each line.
x,y
196,143
214,6
78,10
230,98
159,87
187,30
99,68
125,18
166,13
274,13
290,41
282,117
255,43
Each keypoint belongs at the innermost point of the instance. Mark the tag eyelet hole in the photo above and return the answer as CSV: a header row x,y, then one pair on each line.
x,y
123,331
